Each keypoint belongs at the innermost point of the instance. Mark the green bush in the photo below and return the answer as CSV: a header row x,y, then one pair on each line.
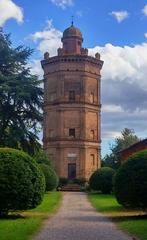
x,y
42,158
63,181
81,181
130,182
101,180
51,177
22,184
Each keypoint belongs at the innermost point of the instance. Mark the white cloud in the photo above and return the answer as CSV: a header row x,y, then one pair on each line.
x,y
145,35
124,63
62,3
112,108
8,10
120,15
111,135
124,88
49,39
124,84
144,10
36,68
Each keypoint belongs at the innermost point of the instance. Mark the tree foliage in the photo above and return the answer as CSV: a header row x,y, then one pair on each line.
x,y
101,180
41,158
21,98
130,183
22,183
51,177
127,138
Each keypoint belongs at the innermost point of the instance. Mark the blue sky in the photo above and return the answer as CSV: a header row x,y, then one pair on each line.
x,y
92,17
115,28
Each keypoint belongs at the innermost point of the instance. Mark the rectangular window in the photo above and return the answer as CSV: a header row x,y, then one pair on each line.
x,y
52,96
51,133
51,157
92,134
72,95
92,157
92,97
72,132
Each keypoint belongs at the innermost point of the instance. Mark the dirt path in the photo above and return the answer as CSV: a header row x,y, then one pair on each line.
x,y
78,220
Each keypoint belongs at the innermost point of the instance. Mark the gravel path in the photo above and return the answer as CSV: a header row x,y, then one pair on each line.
x,y
77,220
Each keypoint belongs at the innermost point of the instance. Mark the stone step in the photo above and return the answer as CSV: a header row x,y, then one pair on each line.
x,y
71,188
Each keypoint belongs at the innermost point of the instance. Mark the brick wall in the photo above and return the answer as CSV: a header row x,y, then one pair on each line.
x,y
139,146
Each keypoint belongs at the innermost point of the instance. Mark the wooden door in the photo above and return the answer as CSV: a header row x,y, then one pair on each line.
x,y
71,171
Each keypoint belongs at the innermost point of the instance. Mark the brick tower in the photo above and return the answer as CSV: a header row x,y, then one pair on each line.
x,y
72,107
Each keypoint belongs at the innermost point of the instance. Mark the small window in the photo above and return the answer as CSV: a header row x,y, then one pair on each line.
x,y
79,43
72,95
51,157
52,96
72,132
92,97
92,134
92,157
51,133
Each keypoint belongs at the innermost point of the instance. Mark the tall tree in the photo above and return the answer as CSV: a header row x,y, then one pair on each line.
x,y
21,98
127,138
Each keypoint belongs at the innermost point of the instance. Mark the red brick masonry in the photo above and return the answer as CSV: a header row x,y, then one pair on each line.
x,y
126,153
72,107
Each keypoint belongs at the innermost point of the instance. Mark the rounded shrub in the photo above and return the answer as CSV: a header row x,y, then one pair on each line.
x,y
51,177
42,158
22,183
101,180
80,181
63,181
130,182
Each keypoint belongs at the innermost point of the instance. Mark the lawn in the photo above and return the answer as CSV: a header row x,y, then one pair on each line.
x,y
23,226
133,222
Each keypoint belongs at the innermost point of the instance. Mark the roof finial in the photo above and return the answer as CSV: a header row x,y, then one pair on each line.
x,y
72,21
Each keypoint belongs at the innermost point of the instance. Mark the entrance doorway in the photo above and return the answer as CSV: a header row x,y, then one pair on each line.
x,y
71,170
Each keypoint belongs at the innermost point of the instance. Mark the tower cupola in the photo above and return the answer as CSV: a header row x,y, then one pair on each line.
x,y
72,41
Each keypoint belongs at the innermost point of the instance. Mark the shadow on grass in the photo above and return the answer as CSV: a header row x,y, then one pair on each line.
x,y
12,216
107,219
111,208
126,218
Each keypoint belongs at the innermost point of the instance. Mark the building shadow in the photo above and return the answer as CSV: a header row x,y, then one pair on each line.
x,y
90,219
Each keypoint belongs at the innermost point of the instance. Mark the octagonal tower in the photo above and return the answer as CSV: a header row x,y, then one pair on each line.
x,y
72,106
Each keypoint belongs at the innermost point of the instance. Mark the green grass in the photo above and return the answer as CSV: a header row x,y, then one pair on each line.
x,y
29,222
133,222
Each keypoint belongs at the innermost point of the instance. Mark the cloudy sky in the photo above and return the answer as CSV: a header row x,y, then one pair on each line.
x,y
117,29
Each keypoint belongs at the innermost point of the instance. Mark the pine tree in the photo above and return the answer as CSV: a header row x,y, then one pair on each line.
x,y
21,98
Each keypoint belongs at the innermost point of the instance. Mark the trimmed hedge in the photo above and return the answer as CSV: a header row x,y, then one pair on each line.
x,y
22,183
101,180
51,177
130,182
42,158
63,181
81,181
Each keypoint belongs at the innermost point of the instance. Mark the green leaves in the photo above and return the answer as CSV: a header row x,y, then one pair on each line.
x,y
21,98
126,139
